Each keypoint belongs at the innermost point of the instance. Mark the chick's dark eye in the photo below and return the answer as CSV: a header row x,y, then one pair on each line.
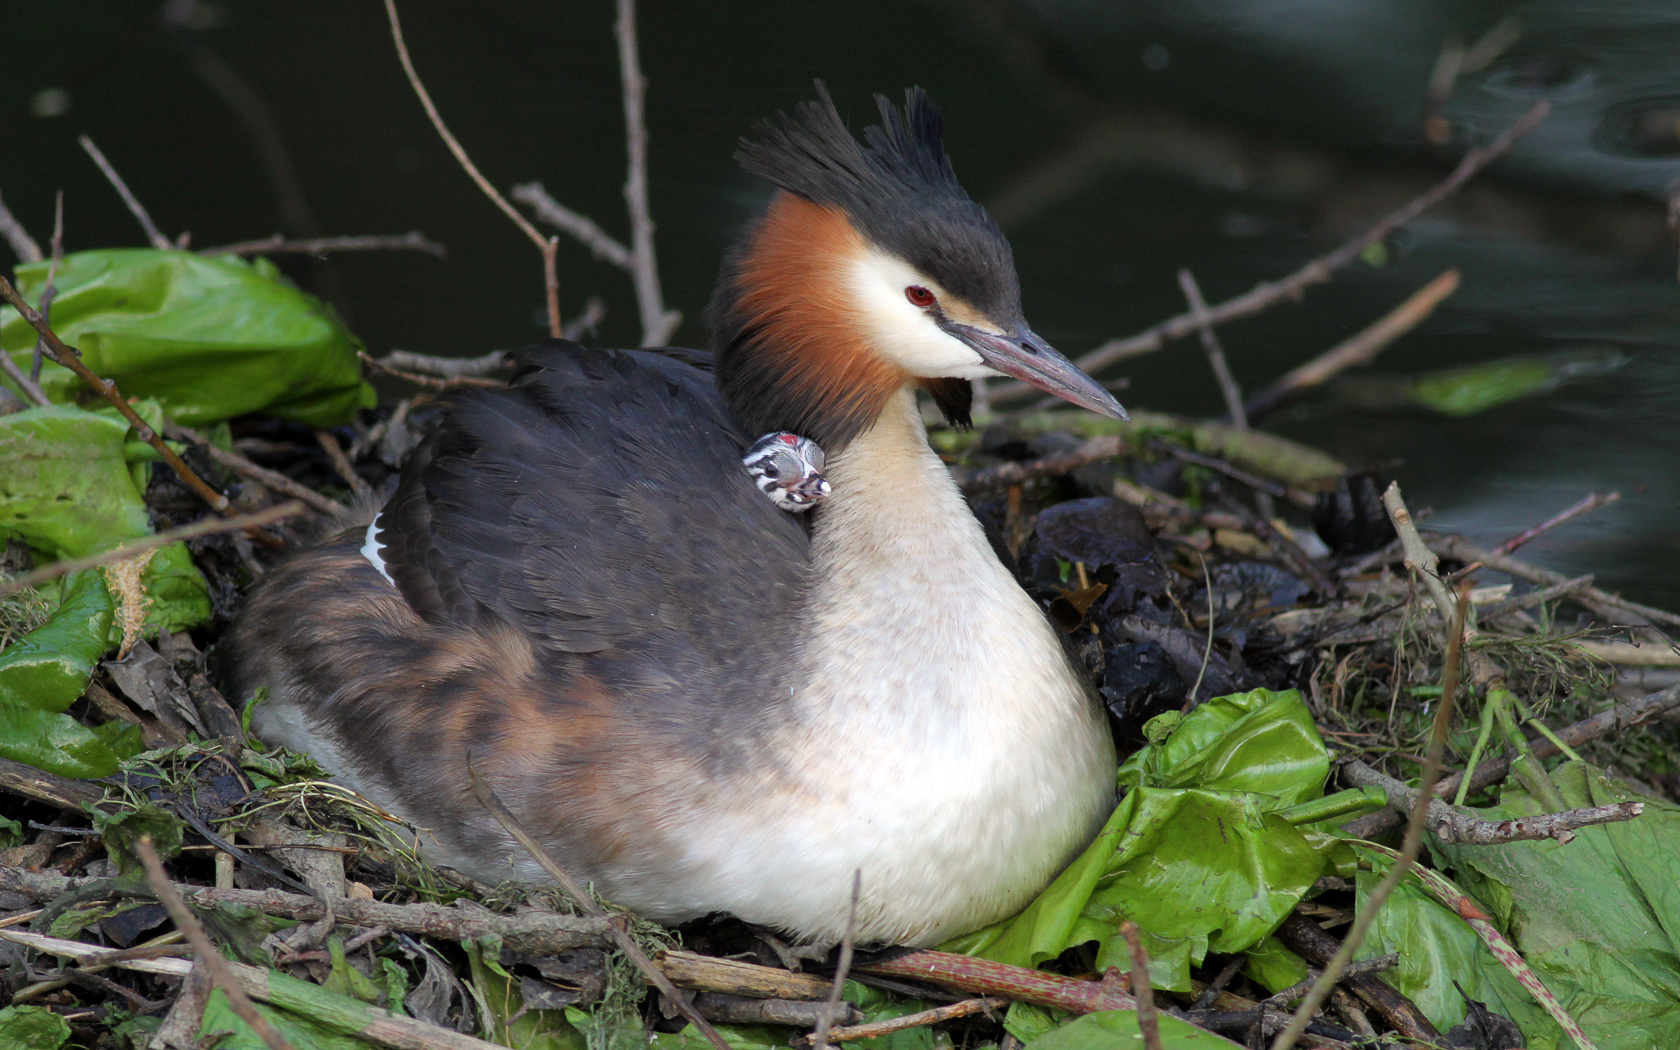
x,y
919,296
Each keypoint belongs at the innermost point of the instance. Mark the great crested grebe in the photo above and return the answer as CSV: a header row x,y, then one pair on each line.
x,y
693,700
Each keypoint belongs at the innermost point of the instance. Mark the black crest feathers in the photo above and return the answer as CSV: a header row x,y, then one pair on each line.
x,y
811,153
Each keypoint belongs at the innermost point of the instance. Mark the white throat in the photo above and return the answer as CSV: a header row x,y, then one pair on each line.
x,y
945,745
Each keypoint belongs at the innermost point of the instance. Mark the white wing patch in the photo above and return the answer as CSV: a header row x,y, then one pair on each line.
x,y
371,549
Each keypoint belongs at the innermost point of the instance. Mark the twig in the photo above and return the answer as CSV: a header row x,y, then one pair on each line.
x,y
153,234
1095,450
1622,716
842,967
615,928
206,951
1228,388
1592,502
1357,350
548,246
341,463
50,291
966,1008
64,355
1305,938
984,977
531,932
657,322
1592,597
1409,848
31,389
367,1023
1319,270
38,784
1451,825
207,527
1149,1022
1207,650
447,367
413,240
22,244
1536,597
271,478
602,244
426,381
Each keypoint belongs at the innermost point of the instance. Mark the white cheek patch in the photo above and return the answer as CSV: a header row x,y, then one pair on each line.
x,y
905,334
371,550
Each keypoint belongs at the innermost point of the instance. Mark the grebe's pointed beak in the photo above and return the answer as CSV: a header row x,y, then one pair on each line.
x,y
1030,359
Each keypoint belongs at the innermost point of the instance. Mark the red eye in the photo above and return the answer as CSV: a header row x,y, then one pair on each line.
x,y
919,296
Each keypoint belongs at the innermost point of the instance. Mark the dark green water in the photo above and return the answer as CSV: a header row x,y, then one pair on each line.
x,y
1281,128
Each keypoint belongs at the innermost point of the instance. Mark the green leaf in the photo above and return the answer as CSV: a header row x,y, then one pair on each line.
x,y
48,668
299,1029
35,1027
505,1019
121,830
1477,388
1598,918
209,338
68,490
1275,966
740,1037
1196,853
347,980
44,672
1116,1029
1259,742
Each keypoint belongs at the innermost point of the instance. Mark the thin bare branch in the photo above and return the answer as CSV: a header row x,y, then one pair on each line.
x,y
271,478
1453,825
1592,502
965,1008
341,463
842,968
546,245
1319,270
600,243
22,244
1357,350
153,234
50,292
413,240
1148,1019
657,322
446,367
207,527
208,955
31,389
1228,388
428,382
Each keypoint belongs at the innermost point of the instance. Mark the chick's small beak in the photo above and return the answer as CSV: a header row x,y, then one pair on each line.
x,y
1030,359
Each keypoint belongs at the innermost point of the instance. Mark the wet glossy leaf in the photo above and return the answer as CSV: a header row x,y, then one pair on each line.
x,y
210,338
1598,919
45,671
1195,854
1113,1029
68,489
1436,948
1260,742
